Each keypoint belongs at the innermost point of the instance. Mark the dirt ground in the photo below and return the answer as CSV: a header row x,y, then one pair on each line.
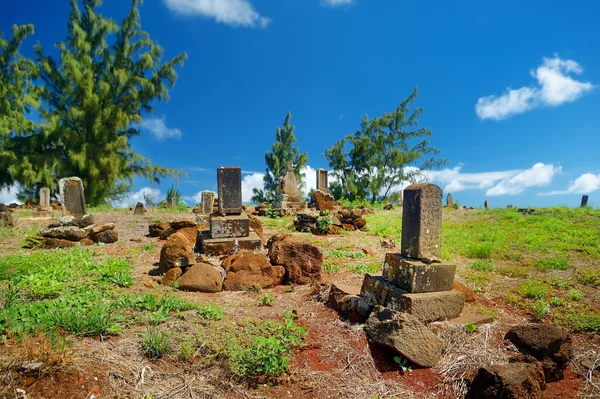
x,y
337,361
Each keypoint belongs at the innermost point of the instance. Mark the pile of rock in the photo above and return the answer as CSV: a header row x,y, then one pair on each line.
x,y
70,231
328,222
6,216
166,229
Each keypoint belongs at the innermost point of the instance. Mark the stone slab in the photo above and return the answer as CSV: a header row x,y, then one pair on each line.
x,y
416,276
422,222
322,180
229,183
72,196
207,202
229,226
225,246
470,317
427,306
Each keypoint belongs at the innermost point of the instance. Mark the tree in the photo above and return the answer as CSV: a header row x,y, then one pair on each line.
x,y
93,98
384,153
17,97
283,152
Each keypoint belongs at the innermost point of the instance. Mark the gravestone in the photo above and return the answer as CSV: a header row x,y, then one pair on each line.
x,y
139,209
289,184
207,202
44,205
584,201
486,204
422,222
174,202
72,197
449,200
229,183
322,180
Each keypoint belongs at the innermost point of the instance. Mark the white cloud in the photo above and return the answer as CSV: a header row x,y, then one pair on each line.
x,y
584,184
138,196
8,195
254,180
554,87
159,129
336,3
230,12
539,175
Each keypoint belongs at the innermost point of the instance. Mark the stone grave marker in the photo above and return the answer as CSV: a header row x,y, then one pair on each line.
x,y
584,201
486,204
422,222
207,202
72,196
139,209
322,180
44,205
449,200
174,202
229,183
289,184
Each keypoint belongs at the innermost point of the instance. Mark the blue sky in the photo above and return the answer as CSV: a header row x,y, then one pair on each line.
x,y
510,89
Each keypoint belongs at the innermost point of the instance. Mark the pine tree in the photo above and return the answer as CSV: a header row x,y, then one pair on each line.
x,y
284,151
93,98
17,97
384,153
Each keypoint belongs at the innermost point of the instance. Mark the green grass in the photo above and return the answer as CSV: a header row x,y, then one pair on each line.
x,y
482,266
384,224
344,254
211,312
533,289
156,342
366,268
554,263
588,276
331,267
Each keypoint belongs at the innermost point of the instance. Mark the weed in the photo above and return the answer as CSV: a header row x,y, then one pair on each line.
x,y
533,289
187,350
559,282
575,295
148,246
539,309
343,254
556,301
469,328
588,276
581,320
483,266
252,288
484,310
555,263
365,268
156,343
402,363
515,271
479,280
95,319
331,267
267,299
211,312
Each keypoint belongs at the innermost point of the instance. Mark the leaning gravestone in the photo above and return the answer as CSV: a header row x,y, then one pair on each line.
x,y
584,201
322,183
44,205
486,204
72,196
449,201
208,202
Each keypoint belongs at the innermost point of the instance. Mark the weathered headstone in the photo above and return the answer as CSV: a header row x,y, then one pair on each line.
x,y
207,202
173,202
229,182
584,201
44,205
322,180
139,209
486,204
289,184
449,200
422,222
72,196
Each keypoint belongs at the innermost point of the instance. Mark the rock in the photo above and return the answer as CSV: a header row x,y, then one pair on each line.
x,y
387,243
182,224
167,233
345,213
196,211
97,229
333,229
136,239
150,284
79,221
388,207
139,209
71,233
469,293
549,344
368,251
360,223
87,241
351,306
323,201
106,237
404,334
202,277
191,233
339,291
157,229
51,243
6,218
512,380
301,260
348,227
177,252
246,269
171,275
257,226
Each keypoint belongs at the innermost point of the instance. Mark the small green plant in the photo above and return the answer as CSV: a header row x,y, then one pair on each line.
x,y
575,295
533,289
252,288
187,350
211,312
539,309
156,343
470,327
122,279
588,276
267,299
559,282
402,363
482,266
148,246
457,204
556,301
324,222
331,267
555,263
343,254
271,213
366,268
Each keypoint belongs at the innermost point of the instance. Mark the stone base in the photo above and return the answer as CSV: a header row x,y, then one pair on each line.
x,y
427,306
229,226
470,317
416,276
225,246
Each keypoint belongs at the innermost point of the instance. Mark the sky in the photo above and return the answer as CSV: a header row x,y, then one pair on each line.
x,y
510,89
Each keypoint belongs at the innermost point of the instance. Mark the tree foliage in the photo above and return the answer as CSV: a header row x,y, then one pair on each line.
x,y
92,101
17,96
284,151
384,153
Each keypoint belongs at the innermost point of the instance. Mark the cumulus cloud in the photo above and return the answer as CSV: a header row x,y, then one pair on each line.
x,y
584,184
138,196
554,87
158,128
229,12
8,195
335,3
537,176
